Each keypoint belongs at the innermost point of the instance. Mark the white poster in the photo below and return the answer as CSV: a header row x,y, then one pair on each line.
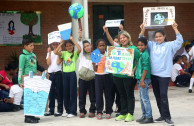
x,y
113,23
36,92
14,26
158,16
54,37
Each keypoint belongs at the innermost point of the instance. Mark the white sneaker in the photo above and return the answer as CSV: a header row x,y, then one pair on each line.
x,y
70,116
65,114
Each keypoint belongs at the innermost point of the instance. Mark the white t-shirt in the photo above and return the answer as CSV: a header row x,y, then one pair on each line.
x,y
175,71
16,93
83,61
191,52
53,67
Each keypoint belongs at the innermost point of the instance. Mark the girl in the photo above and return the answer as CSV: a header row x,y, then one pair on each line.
x,y
69,76
178,74
55,75
103,82
161,54
124,83
86,82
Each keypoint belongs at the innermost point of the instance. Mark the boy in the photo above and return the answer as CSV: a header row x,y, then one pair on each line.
x,y
28,62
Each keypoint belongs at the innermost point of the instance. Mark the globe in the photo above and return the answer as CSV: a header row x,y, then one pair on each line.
x,y
76,11
159,18
117,66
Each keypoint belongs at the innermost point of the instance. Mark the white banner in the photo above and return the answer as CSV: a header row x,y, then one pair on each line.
x,y
113,23
158,16
54,37
65,30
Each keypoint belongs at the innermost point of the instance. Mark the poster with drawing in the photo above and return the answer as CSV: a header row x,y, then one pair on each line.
x,y
16,25
36,92
119,60
158,16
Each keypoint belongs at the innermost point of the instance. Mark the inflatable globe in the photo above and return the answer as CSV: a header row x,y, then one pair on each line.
x,y
76,11
117,66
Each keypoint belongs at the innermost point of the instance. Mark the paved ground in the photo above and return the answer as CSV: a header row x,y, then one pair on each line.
x,y
181,106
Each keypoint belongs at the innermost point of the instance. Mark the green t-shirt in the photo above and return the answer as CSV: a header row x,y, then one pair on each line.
x,y
69,64
143,64
27,62
136,57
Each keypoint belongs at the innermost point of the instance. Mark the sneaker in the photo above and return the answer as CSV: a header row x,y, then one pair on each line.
x,y
190,90
169,122
141,119
91,115
70,115
57,114
82,115
48,113
65,115
147,120
30,120
108,116
160,119
99,116
129,118
120,117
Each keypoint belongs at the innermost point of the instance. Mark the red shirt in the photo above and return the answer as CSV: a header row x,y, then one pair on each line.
x,y
5,80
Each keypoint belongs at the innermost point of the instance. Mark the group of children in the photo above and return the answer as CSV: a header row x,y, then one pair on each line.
x,y
152,64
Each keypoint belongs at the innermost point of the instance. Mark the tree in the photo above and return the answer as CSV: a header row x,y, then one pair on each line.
x,y
29,19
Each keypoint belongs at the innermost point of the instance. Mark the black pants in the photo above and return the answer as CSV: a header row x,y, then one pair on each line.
x,y
85,86
56,90
115,97
183,79
70,92
126,87
160,88
103,83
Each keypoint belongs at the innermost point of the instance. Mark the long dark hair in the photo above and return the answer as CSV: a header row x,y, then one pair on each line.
x,y
10,23
162,32
69,41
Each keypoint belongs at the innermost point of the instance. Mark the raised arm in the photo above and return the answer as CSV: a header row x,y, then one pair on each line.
x,y
142,27
108,35
56,51
174,26
78,47
48,60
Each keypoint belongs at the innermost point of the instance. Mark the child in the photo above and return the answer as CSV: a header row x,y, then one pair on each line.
x,y
55,75
28,62
125,84
191,54
178,74
185,65
161,54
186,51
143,77
15,96
69,76
86,83
103,82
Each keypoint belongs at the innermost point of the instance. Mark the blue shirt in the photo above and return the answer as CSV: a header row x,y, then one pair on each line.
x,y
161,56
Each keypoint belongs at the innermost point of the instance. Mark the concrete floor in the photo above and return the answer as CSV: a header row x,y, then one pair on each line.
x,y
181,107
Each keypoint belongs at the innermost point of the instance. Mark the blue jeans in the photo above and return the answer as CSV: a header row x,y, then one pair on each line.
x,y
144,98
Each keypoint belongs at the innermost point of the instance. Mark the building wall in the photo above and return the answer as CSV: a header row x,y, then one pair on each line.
x,y
55,13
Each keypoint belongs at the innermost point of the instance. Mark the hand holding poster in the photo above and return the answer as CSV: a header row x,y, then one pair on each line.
x,y
158,16
36,92
119,60
54,37
65,30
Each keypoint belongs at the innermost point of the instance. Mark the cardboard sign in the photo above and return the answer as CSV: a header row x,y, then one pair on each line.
x,y
158,16
65,30
119,60
113,23
36,90
54,37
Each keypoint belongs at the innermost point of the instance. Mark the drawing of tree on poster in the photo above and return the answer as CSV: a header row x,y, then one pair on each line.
x,y
30,19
